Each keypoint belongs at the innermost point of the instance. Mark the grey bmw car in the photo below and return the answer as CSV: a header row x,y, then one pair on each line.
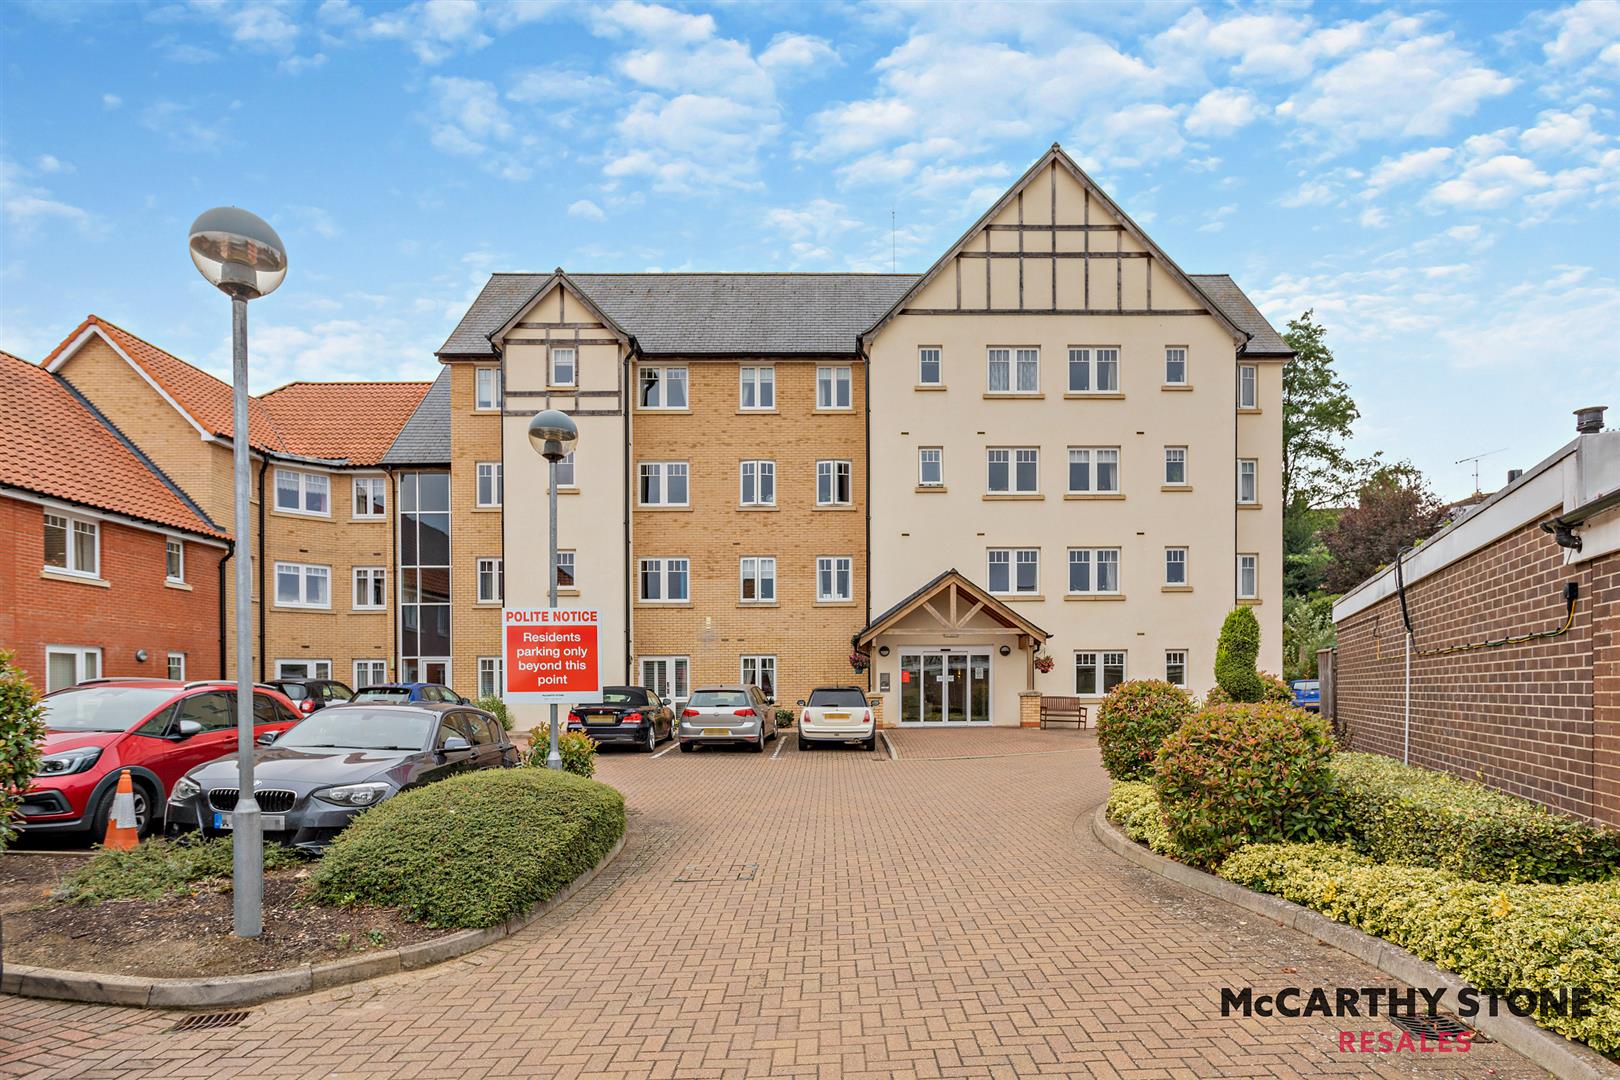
x,y
312,780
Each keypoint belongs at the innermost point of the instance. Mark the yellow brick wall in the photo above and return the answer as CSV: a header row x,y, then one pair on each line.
x,y
809,640
474,533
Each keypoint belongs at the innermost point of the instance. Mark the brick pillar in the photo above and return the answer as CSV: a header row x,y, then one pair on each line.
x,y
1029,708
876,701
1606,689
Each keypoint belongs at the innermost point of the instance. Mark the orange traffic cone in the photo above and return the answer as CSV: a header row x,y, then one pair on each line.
x,y
122,833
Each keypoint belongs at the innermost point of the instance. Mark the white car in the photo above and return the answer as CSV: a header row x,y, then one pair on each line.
x,y
837,714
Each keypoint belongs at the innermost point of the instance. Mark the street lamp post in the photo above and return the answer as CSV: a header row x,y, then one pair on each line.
x,y
553,434
243,257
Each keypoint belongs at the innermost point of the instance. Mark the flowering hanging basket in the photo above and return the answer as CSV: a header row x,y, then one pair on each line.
x,y
1043,663
859,661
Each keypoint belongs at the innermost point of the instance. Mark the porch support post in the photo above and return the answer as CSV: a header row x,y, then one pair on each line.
x,y
1027,643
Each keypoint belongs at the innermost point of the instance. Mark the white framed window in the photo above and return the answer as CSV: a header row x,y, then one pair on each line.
x,y
759,671
303,493
490,483
757,483
1093,470
1096,673
1175,466
1175,566
662,388
1175,365
664,483
832,388
303,585
1009,371
1094,369
72,545
303,669
835,578
930,370
370,588
490,680
565,572
1246,393
69,665
564,366
833,483
565,471
1014,571
492,581
758,579
666,581
1248,577
757,388
1093,571
371,495
487,389
930,466
670,677
1175,667
1012,470
174,560
370,673
1247,480
177,666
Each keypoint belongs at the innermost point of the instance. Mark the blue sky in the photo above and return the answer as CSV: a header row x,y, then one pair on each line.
x,y
1442,184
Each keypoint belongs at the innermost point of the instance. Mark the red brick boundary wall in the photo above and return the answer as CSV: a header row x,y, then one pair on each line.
x,y
1541,719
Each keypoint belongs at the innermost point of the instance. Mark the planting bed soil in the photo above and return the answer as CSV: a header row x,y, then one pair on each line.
x,y
183,936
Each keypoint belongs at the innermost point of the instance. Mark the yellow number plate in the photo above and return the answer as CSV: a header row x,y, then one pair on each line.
x,y
716,731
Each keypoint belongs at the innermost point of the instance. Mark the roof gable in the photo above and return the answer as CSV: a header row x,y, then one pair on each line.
x,y
965,600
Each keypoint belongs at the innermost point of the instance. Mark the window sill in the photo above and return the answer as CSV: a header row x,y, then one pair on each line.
x,y
842,409
930,487
302,608
1113,496
560,592
1175,588
1021,597
835,603
497,603
833,509
1175,487
1013,395
1081,395
665,412
929,387
565,490
368,611
757,412
662,603
1250,601
569,388
1250,506
1012,496
170,583
379,518
486,509
745,508
1174,387
1089,597
664,509
1251,410
480,410
744,605
276,511
78,579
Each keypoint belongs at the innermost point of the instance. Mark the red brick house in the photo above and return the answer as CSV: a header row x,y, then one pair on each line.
x,y
1503,662
106,566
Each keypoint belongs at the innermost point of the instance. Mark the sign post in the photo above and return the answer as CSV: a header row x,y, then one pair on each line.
x,y
551,656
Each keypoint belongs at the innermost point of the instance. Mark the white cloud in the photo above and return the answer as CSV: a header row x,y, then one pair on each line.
x,y
1516,333
466,118
270,25
1586,34
1489,182
1221,112
584,208
797,52
434,30
111,101
1373,218
26,207
182,126
1560,132
317,220
50,163
1415,165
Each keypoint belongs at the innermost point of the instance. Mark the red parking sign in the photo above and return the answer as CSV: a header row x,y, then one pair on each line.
x,y
551,655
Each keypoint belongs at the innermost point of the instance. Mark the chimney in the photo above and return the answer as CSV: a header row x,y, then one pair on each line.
x,y
1514,474
1589,421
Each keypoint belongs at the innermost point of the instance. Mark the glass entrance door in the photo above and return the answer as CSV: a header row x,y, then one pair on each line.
x,y
939,687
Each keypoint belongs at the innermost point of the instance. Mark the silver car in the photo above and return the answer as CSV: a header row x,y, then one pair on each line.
x,y
727,714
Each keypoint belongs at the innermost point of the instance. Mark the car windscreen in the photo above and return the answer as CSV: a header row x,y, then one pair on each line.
x,y
618,695
102,708
383,695
719,699
835,698
349,728
294,691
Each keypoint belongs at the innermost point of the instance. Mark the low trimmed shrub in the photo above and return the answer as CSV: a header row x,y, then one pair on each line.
x,y
577,750
1240,774
1134,720
1133,806
1531,936
1401,814
474,850
155,869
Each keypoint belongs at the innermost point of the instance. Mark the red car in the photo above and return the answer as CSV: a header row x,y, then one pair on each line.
x,y
157,728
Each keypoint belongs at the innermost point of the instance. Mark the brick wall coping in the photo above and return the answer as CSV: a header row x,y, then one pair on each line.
x,y
209,992
1564,1058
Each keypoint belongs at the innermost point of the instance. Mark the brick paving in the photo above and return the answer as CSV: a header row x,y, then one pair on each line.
x,y
828,913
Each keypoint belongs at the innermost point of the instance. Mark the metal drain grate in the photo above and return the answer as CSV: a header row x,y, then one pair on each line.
x,y
210,1021
694,872
1432,1027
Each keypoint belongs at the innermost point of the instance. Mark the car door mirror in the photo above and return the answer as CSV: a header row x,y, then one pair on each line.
x,y
454,743
185,729
267,738
801,703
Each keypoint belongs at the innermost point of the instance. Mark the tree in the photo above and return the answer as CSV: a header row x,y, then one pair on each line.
x,y
1317,413
1307,628
1396,509
22,733
1235,653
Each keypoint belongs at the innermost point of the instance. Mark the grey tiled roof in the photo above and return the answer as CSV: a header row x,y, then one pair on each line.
x,y
1263,339
705,314
425,438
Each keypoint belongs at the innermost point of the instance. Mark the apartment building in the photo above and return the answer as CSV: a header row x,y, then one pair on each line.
x,y
106,566
1054,443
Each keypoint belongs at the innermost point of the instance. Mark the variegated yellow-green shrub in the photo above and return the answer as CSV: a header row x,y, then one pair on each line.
x,y
1134,807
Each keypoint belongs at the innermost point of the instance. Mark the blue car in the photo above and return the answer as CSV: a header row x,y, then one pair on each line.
x,y
1307,694
402,693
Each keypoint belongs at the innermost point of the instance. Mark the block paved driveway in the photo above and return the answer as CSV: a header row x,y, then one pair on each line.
x,y
830,913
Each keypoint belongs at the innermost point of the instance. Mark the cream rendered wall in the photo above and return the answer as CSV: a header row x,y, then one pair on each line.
x,y
1260,436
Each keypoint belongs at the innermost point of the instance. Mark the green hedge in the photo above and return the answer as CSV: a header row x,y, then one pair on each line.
x,y
1135,808
473,850
1535,936
1134,720
1400,814
156,869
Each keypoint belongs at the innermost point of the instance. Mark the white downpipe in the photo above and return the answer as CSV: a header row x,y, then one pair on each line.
x,y
1406,734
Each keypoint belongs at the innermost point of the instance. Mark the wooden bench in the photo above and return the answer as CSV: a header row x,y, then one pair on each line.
x,y
1063,710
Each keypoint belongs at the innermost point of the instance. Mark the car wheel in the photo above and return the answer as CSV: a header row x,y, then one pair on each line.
x,y
652,738
870,744
759,744
143,812
687,748
803,744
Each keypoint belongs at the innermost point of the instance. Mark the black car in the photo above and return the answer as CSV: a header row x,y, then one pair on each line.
x,y
312,694
628,714
312,781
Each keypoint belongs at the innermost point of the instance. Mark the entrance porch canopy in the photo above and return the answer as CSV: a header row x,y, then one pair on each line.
x,y
951,602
